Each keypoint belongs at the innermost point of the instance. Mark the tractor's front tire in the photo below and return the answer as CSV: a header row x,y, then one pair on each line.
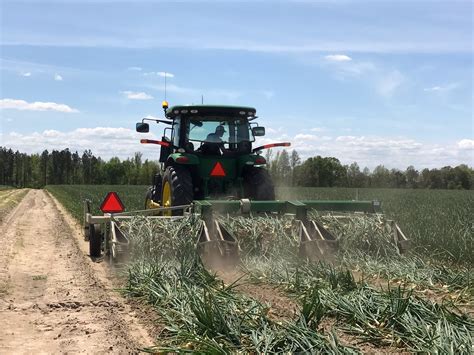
x,y
258,184
95,241
177,188
148,198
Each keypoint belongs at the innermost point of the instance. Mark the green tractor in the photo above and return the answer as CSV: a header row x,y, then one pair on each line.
x,y
210,168
207,152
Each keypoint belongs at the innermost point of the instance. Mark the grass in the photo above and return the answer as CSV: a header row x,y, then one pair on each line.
x,y
9,198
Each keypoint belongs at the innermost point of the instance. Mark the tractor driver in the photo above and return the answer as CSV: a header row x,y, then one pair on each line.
x,y
216,137
214,141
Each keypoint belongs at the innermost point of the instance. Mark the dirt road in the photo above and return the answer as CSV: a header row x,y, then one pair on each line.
x,y
53,298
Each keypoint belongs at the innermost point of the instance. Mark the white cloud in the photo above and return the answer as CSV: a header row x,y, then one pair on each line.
x,y
389,83
136,95
135,68
26,74
159,73
370,151
306,137
58,77
444,88
466,144
35,106
317,129
385,81
338,58
99,139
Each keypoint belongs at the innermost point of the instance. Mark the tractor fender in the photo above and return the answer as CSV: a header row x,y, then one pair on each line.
x,y
182,159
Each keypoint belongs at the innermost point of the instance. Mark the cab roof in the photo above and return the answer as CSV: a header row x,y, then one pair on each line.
x,y
202,110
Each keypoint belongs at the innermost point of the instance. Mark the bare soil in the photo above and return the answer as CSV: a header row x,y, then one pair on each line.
x,y
53,298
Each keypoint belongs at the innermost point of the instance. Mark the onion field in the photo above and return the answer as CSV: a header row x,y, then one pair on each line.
x,y
368,299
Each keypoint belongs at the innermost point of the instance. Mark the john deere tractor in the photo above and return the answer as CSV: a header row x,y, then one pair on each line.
x,y
207,152
211,168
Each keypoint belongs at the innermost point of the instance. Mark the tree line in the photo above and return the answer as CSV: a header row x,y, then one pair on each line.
x,y
287,169
65,167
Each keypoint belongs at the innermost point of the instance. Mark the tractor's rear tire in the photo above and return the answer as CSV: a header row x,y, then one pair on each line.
x,y
95,241
180,183
258,184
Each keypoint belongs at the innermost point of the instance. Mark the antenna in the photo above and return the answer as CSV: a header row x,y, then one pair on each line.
x,y
202,99
166,74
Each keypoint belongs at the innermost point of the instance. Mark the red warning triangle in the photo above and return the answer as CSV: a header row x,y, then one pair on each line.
x,y
112,203
218,170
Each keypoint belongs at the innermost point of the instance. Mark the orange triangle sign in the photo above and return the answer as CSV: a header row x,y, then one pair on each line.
x,y
112,204
218,170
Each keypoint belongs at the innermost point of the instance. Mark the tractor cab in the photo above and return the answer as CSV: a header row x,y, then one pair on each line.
x,y
207,152
214,130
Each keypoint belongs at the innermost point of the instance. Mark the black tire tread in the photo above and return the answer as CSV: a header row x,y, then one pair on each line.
x,y
95,241
181,183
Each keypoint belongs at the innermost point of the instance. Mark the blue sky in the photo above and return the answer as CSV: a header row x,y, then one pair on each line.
x,y
378,82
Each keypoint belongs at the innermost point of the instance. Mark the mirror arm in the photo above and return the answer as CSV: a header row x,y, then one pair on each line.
x,y
162,143
157,121
272,145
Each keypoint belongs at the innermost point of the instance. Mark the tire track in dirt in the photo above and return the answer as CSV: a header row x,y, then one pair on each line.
x,y
53,299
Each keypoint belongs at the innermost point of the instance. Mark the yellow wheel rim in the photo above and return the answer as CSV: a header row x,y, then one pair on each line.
x,y
167,198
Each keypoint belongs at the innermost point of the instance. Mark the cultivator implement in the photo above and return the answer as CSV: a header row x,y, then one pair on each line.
x,y
216,244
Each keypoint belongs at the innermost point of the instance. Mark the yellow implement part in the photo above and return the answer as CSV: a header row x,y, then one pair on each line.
x,y
152,204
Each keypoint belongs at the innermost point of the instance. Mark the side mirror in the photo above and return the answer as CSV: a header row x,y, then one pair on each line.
x,y
143,127
258,131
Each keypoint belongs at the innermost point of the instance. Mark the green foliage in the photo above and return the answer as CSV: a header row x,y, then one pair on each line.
x,y
265,237
66,167
439,223
200,312
393,316
320,171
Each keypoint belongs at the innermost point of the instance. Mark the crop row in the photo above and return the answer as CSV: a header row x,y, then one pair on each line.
x,y
203,314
